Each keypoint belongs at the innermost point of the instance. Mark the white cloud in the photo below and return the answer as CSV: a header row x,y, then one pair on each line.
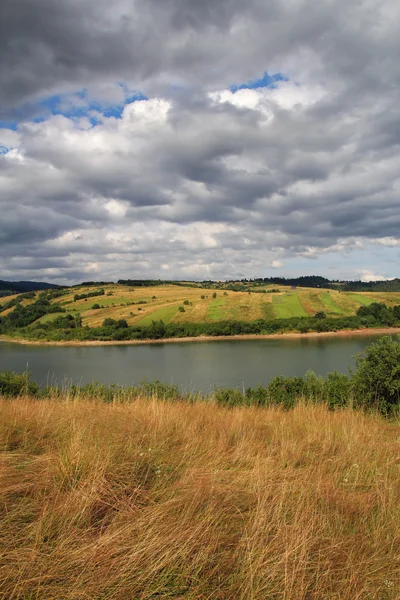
x,y
366,275
208,182
277,264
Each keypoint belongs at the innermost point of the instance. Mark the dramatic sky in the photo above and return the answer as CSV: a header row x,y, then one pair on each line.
x,y
199,139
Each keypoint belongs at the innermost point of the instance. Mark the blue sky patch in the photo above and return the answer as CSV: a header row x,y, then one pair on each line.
x,y
74,106
266,81
9,125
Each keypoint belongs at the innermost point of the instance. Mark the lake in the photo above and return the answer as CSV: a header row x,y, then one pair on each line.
x,y
197,366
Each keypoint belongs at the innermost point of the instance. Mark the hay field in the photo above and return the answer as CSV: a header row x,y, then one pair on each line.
x,y
171,500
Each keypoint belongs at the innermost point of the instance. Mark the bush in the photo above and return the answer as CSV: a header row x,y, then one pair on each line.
x,y
229,397
14,384
376,380
320,315
337,390
285,390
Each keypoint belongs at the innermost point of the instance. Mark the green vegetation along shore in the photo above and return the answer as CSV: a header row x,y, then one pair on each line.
x,y
110,494
374,385
122,313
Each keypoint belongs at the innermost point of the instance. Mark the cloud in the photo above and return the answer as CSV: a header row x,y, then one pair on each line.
x,y
198,139
366,275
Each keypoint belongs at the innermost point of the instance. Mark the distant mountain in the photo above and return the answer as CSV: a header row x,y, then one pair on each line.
x,y
18,287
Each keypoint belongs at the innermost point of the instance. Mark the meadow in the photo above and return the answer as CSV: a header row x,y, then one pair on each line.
x,y
184,304
154,499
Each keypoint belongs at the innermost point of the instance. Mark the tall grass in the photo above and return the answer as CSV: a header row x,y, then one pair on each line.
x,y
170,500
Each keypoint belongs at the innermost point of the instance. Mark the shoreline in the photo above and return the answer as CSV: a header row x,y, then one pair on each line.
x,y
252,336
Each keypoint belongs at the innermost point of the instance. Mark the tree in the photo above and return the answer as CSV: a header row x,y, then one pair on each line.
x,y
320,315
376,381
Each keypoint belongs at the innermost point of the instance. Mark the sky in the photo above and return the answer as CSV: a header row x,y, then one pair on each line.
x,y
218,139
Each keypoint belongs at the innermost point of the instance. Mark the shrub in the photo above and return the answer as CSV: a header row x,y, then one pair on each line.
x,y
109,322
320,315
376,380
284,390
230,397
337,389
14,384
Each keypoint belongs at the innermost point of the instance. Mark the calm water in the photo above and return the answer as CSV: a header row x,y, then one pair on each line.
x,y
194,365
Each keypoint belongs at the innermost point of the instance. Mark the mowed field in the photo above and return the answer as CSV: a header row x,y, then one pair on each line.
x,y
178,304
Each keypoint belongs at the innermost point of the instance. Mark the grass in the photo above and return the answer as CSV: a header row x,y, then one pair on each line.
x,y
288,305
170,500
268,310
165,314
311,301
363,299
51,316
216,309
330,304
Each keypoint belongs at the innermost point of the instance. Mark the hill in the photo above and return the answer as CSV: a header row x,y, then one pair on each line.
x,y
182,310
20,287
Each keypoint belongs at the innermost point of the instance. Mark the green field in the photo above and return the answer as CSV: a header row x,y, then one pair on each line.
x,y
216,309
51,316
363,299
165,314
330,304
288,305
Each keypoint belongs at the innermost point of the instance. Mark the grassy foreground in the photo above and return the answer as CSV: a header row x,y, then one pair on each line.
x,y
171,500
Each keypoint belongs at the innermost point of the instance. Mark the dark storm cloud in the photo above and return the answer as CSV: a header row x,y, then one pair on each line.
x,y
47,46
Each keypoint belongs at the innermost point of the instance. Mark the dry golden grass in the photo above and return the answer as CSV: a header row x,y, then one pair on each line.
x,y
5,299
311,300
155,500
